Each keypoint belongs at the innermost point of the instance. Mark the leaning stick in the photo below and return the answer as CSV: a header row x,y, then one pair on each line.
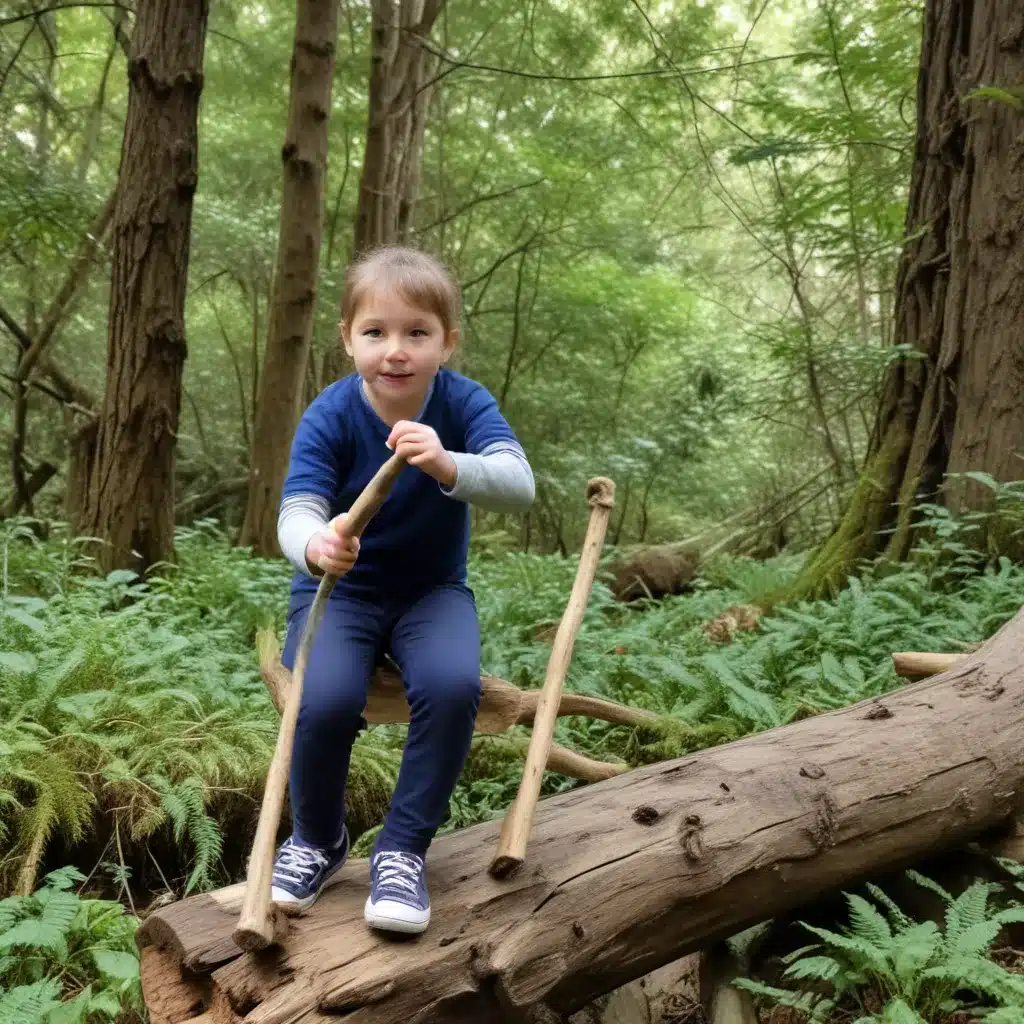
x,y
259,924
515,829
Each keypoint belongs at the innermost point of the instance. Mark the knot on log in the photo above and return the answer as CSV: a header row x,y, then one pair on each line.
x,y
645,815
826,825
600,492
690,838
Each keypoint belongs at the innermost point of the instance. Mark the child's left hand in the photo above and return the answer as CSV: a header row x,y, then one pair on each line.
x,y
420,446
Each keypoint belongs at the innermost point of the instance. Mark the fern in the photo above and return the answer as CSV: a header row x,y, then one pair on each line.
x,y
73,959
921,969
29,1004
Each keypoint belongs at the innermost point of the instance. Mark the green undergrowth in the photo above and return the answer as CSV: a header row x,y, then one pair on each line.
x,y
884,966
65,959
136,732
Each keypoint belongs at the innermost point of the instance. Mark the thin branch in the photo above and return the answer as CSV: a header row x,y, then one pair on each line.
x,y
488,197
45,389
333,226
59,7
652,73
243,403
17,54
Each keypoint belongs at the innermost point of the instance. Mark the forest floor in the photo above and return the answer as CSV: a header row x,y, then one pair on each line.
x,y
135,734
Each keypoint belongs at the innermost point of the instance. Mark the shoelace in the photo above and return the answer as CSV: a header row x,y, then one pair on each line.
x,y
299,863
398,870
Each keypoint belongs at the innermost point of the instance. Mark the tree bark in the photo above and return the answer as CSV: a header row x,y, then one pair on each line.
x,y
957,402
398,98
290,320
630,874
398,102
130,500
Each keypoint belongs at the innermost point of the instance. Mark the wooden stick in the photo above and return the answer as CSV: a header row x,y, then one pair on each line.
x,y
916,664
502,704
515,829
501,707
256,928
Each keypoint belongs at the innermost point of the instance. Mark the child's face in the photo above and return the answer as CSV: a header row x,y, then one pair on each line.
x,y
397,347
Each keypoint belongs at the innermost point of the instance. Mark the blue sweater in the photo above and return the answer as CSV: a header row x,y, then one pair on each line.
x,y
419,538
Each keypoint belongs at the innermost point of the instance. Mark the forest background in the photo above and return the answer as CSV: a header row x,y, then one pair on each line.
x,y
683,281
760,263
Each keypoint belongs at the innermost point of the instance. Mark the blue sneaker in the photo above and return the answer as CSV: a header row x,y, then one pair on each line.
x,y
301,871
398,900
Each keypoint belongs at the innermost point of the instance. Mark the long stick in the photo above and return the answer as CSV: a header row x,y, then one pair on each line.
x,y
515,829
257,924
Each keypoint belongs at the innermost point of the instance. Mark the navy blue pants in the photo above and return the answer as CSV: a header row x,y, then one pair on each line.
x,y
436,642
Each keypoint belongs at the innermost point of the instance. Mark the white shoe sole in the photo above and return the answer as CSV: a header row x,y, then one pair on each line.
x,y
285,898
390,916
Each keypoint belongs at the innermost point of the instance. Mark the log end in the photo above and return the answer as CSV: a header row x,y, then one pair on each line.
x,y
170,997
600,492
504,866
255,931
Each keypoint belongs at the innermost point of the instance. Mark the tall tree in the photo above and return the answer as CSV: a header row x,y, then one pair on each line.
x,y
129,499
290,323
956,403
401,76
401,68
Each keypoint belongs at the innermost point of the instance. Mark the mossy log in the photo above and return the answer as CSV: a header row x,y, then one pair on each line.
x,y
630,873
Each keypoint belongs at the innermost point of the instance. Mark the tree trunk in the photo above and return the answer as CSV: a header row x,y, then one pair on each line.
x,y
399,70
130,500
290,320
627,875
957,403
399,96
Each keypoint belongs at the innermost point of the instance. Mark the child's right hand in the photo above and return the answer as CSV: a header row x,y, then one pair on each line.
x,y
333,550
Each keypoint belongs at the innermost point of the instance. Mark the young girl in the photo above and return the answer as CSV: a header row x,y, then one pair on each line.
x,y
403,587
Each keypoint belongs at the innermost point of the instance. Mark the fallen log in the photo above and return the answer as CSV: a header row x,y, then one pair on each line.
x,y
632,873
502,705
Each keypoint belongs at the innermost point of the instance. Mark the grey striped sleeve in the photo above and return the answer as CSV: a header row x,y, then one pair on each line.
x,y
301,516
498,479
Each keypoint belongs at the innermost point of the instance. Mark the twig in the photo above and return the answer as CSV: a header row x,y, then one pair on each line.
x,y
124,868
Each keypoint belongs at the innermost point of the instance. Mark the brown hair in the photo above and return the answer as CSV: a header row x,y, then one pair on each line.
x,y
419,278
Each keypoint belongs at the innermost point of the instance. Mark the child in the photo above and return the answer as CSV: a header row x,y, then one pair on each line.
x,y
403,590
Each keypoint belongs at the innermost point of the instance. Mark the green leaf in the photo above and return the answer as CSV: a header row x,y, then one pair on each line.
x,y
1005,1015
27,1004
21,663
120,576
63,878
74,1011
974,940
1013,97
821,968
897,1012
106,1002
913,949
22,616
868,923
35,933
114,964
